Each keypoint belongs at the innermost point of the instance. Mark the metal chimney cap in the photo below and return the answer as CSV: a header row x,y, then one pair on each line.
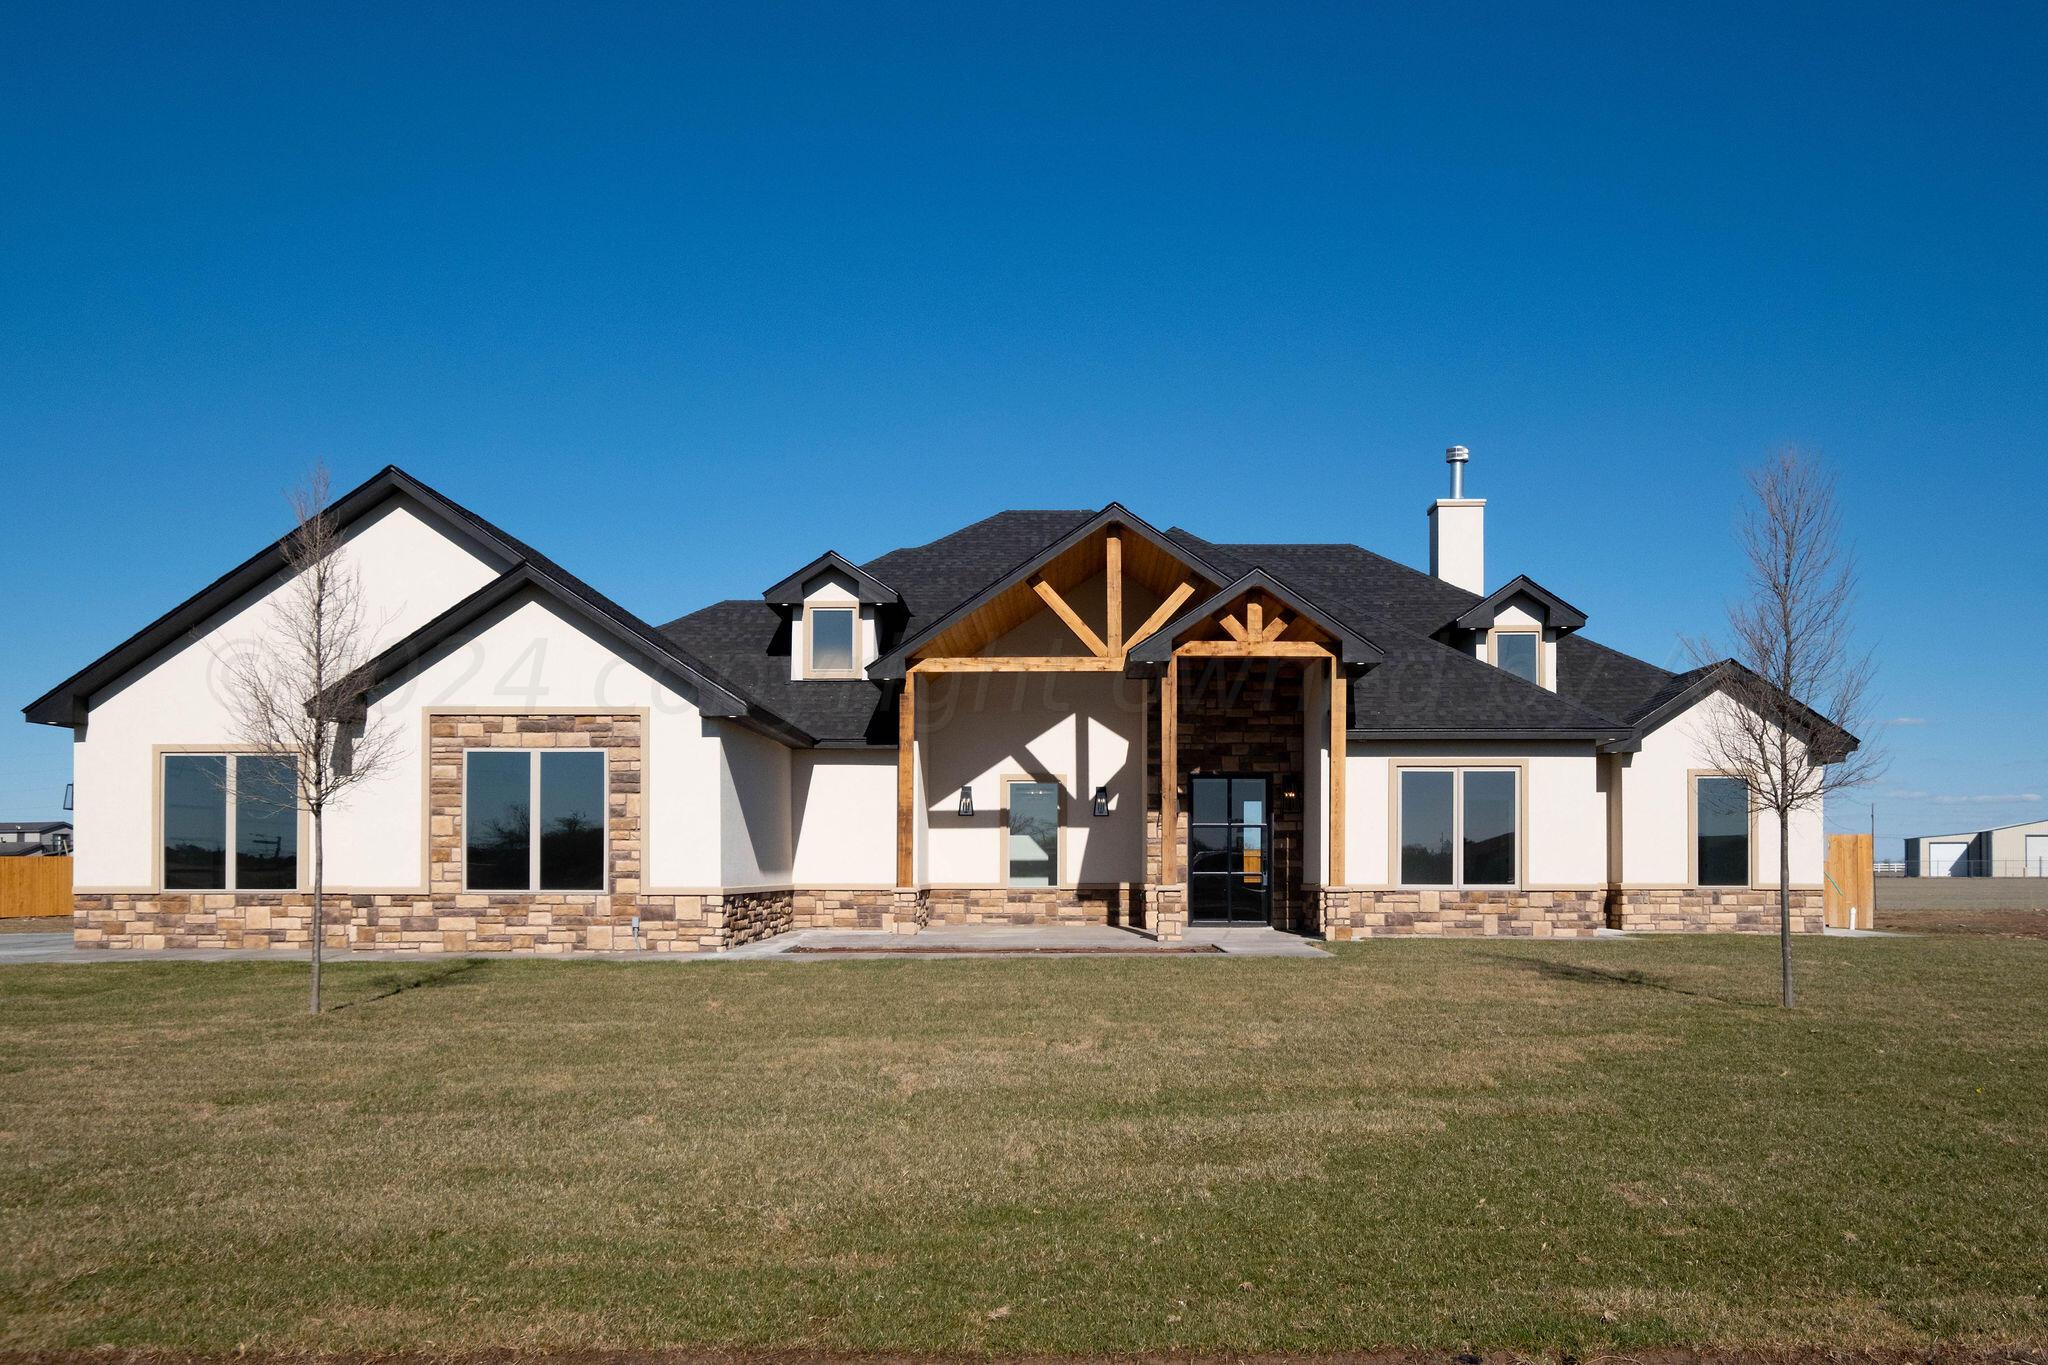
x,y
1457,455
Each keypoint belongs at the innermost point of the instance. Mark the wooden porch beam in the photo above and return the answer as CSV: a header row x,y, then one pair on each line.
x,y
1255,619
1253,649
1275,627
1169,775
1073,619
1019,663
1236,631
1113,576
1164,612
1340,711
906,782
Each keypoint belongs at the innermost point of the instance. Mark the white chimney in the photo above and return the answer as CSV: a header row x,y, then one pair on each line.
x,y
1457,531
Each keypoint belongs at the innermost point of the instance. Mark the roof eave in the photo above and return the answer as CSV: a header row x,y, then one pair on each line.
x,y
67,703
868,589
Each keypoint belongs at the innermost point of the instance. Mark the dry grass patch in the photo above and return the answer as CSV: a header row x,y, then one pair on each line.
x,y
1602,1146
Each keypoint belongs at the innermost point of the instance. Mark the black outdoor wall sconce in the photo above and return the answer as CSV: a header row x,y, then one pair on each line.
x,y
1101,803
967,801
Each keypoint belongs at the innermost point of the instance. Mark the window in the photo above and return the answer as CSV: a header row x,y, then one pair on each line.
x,y
534,820
831,631
217,803
1517,652
1722,825
1459,827
1032,846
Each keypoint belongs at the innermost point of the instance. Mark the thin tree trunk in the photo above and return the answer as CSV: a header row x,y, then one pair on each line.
x,y
1785,902
320,906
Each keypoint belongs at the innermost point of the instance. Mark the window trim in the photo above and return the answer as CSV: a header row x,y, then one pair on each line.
x,y
534,762
1458,767
1059,797
1542,678
161,752
1692,834
811,666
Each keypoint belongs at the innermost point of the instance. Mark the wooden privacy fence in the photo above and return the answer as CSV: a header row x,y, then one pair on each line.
x,y
1849,894
34,886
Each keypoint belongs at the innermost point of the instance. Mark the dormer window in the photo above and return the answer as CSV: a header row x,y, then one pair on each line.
x,y
838,613
1519,652
830,631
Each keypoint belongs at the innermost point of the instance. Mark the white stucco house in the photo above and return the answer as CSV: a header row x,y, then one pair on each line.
x,y
1043,716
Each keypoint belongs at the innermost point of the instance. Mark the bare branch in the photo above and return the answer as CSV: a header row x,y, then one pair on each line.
x,y
1796,685
282,685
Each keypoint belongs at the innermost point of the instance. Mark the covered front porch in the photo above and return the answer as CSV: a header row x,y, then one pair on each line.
x,y
1115,737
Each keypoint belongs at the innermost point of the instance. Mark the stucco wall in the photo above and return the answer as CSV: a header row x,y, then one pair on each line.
x,y
1082,729
1657,810
412,567
754,829
526,656
1564,807
843,809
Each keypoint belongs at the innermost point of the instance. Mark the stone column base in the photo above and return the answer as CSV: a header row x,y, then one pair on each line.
x,y
1167,911
907,912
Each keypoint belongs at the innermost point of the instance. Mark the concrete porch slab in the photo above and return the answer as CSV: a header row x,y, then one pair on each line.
x,y
1024,940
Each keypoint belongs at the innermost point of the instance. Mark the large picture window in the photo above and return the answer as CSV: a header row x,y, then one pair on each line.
x,y
1721,809
534,820
1459,826
230,823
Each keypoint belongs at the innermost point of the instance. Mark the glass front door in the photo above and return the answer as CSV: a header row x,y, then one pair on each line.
x,y
1230,844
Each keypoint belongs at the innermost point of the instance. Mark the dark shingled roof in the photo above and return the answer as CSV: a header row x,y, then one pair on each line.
x,y
1424,687
747,640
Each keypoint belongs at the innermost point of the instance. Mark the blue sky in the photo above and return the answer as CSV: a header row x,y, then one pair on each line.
x,y
685,295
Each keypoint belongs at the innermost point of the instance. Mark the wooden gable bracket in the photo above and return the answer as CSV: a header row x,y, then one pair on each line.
x,y
1059,606
1165,611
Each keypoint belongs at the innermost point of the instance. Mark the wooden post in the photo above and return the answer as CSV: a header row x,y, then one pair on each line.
x,y
1113,574
1339,715
1169,775
906,782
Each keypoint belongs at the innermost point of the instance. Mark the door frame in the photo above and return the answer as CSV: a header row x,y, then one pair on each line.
x,y
1231,877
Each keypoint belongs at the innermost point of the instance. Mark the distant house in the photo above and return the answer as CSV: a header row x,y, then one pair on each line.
x,y
34,838
2004,851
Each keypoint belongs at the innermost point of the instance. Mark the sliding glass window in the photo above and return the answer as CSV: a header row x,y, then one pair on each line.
x,y
214,803
1459,827
534,820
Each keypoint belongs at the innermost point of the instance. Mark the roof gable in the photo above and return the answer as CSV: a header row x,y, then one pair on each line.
x,y
1349,644
893,663
630,636
65,704
1559,614
867,588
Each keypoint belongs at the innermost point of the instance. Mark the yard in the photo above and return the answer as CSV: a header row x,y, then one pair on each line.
x,y
1554,1146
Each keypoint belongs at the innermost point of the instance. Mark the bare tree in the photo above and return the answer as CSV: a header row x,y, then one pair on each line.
x,y
1797,684
286,687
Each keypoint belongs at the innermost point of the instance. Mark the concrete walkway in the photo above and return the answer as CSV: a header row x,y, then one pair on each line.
x,y
1027,940
820,945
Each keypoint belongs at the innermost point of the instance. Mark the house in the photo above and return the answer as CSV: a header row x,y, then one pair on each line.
x,y
2019,850
34,838
1042,716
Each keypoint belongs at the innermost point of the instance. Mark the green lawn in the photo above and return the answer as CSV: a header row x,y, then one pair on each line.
x,y
1576,1146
